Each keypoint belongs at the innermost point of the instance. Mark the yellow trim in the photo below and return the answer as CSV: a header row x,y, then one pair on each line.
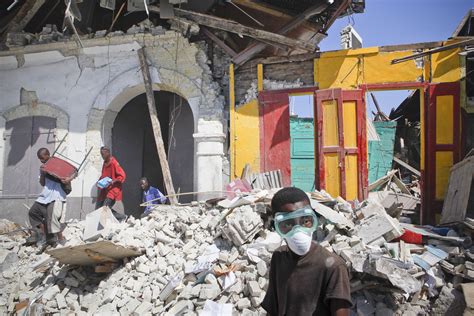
x,y
444,162
444,120
232,120
349,123
297,94
422,132
260,77
350,52
352,173
330,127
315,71
332,174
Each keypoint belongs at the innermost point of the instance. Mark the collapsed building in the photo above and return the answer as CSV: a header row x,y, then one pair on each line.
x,y
75,70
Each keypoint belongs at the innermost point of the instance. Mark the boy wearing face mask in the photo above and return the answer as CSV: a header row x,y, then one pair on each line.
x,y
305,278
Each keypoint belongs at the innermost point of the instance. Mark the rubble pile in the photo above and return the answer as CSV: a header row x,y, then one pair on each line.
x,y
199,258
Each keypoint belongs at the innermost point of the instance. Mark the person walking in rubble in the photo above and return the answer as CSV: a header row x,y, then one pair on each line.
x,y
151,195
48,212
305,279
111,192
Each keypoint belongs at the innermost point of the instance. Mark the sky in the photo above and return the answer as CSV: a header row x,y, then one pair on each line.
x,y
393,22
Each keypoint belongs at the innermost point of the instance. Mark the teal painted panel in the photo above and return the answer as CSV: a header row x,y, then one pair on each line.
x,y
381,152
302,153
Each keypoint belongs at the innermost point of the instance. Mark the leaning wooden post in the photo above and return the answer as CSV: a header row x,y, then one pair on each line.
x,y
155,123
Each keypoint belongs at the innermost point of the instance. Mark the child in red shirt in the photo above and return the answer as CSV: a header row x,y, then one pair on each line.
x,y
112,169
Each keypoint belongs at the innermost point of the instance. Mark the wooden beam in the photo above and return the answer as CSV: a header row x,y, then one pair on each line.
x,y
407,166
259,77
432,51
256,48
276,12
24,15
237,28
415,46
155,123
232,115
218,41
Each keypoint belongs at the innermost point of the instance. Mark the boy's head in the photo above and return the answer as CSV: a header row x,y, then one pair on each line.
x,y
105,153
294,219
43,154
144,183
289,199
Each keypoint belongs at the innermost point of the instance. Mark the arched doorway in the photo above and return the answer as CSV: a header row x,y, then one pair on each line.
x,y
133,145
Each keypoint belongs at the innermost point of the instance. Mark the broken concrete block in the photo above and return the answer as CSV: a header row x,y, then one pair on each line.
x,y
376,226
181,307
142,309
243,303
254,288
71,282
143,268
110,295
449,302
50,293
61,301
209,291
78,275
262,268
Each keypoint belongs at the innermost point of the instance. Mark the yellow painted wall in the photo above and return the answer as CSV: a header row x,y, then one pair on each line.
x,y
347,69
351,68
247,138
446,66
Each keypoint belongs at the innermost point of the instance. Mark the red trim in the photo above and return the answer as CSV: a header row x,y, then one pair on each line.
x,y
435,90
395,85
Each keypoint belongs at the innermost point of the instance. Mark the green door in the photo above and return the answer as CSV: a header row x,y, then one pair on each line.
x,y
302,153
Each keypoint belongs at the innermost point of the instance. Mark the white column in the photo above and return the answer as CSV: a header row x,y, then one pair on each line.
x,y
209,145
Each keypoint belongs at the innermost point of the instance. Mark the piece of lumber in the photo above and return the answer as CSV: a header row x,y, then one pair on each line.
x,y
432,51
93,253
245,171
218,42
24,15
105,267
407,166
459,188
379,182
155,123
256,48
380,112
237,28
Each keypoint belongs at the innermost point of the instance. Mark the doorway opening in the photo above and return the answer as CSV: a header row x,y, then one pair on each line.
x,y
302,141
395,138
133,144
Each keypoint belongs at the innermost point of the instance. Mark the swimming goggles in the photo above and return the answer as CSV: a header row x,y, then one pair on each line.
x,y
288,223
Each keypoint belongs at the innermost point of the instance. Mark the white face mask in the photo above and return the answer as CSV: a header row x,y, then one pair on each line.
x,y
300,242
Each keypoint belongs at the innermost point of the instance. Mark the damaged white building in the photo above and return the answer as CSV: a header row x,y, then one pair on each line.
x,y
96,96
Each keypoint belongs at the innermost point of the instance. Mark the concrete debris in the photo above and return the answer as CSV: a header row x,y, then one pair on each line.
x,y
210,260
252,92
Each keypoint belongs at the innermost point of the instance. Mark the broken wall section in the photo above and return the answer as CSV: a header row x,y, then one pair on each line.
x,y
87,87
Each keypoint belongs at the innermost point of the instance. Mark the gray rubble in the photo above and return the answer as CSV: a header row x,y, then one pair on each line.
x,y
199,258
